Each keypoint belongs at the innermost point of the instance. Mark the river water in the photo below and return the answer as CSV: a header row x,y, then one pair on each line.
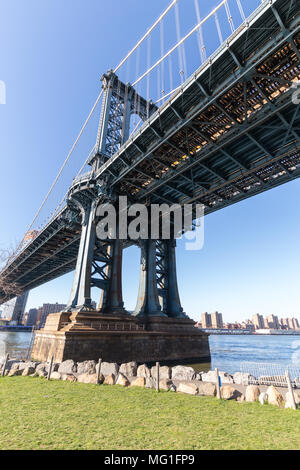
x,y
227,351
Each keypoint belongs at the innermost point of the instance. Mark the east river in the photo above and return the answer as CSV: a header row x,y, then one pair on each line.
x,y
227,351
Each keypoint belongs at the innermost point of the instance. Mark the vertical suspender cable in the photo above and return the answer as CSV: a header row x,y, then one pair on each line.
x,y
162,48
229,17
218,28
241,10
182,70
200,34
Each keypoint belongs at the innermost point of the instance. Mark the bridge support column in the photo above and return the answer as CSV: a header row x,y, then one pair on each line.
x,y
167,278
111,298
148,301
99,264
80,296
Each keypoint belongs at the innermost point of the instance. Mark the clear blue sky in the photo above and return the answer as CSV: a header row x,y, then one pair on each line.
x,y
53,53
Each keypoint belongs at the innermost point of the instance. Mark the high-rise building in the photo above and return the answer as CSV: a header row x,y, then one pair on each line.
x,y
47,309
273,322
296,323
206,320
258,321
13,310
32,317
216,320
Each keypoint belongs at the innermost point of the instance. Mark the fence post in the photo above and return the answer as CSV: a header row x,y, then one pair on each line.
x,y
50,368
288,379
157,376
5,364
99,370
218,384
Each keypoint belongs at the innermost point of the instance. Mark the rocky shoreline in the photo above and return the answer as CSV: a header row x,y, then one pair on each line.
x,y
174,379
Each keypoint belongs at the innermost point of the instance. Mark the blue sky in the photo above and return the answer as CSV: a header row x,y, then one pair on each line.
x,y
52,55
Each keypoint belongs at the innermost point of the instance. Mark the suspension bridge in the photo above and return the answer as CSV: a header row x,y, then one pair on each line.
x,y
224,132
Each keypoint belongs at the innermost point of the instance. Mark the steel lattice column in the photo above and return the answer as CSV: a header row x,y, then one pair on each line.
x,y
166,277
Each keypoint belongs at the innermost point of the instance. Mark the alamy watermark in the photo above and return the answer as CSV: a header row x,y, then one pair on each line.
x,y
2,92
154,221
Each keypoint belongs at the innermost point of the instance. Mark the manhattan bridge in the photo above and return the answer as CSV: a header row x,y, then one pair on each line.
x,y
223,132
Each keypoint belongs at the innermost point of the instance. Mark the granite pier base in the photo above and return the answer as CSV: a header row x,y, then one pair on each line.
x,y
120,338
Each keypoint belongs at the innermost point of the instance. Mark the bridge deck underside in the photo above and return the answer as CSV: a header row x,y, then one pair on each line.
x,y
232,131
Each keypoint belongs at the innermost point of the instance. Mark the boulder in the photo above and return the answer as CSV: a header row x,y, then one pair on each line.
x,y
28,371
138,382
9,363
89,378
164,372
110,379
209,376
229,393
242,378
86,367
241,398
109,368
41,373
288,398
207,389
172,388
122,380
67,367
165,384
252,393
274,397
150,382
183,373
69,378
55,375
143,371
188,387
263,398
129,369
14,371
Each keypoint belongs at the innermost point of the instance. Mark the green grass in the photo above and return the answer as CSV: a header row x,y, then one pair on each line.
x,y
36,414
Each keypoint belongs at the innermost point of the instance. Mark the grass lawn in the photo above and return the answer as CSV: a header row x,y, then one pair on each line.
x,y
36,414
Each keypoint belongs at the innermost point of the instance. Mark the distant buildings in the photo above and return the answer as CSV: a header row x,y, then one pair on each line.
x,y
32,317
212,320
46,309
14,309
258,322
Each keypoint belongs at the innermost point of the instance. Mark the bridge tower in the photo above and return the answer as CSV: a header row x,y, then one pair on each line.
x,y
158,328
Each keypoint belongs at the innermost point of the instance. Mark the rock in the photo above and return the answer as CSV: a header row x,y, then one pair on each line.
x,y
86,367
143,371
263,398
150,382
164,372
242,378
90,378
252,393
188,387
28,371
41,366
9,364
138,382
55,375
274,397
67,367
41,373
183,373
207,389
122,380
241,398
129,369
14,372
288,398
165,384
229,393
110,379
173,388
109,368
226,378
209,376
69,377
